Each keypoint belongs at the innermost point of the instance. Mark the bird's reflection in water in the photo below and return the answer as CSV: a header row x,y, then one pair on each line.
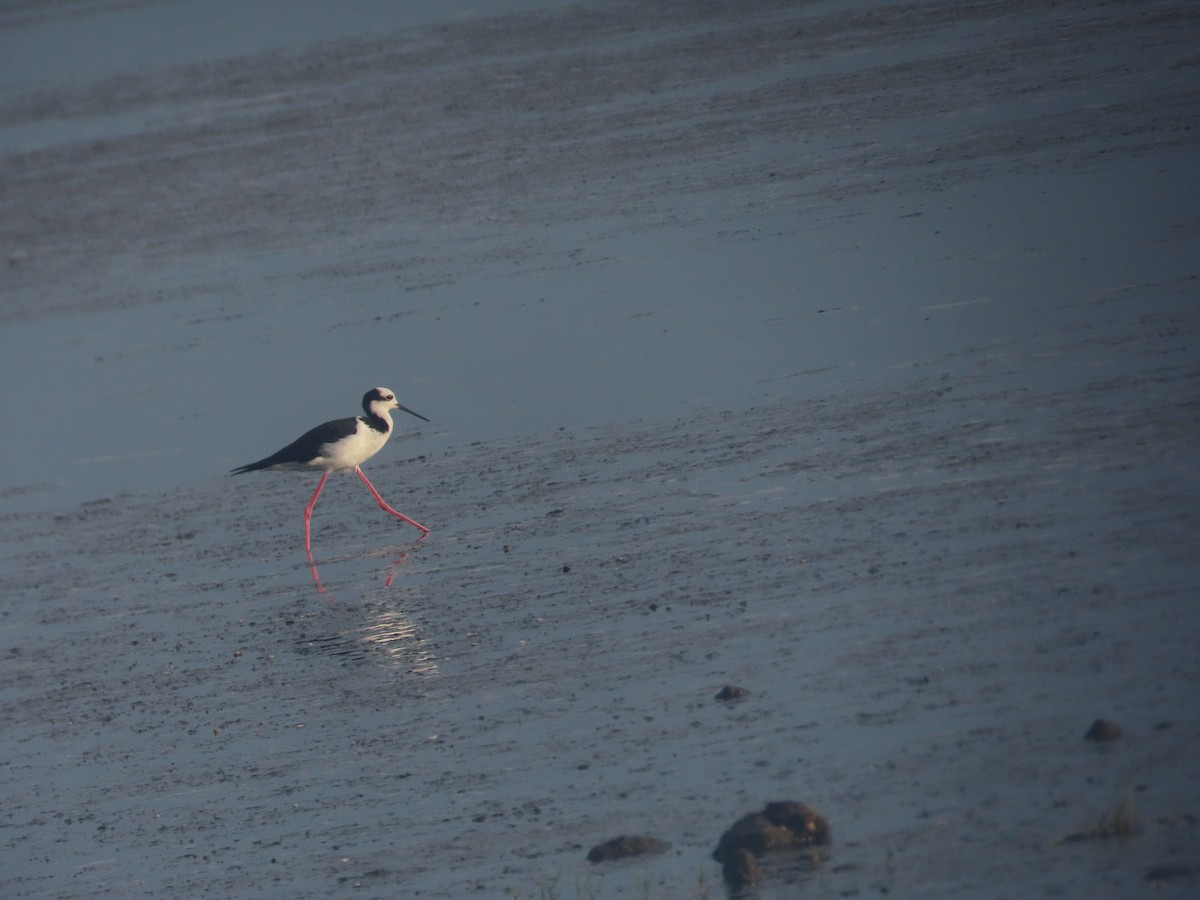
x,y
387,636
393,635
383,633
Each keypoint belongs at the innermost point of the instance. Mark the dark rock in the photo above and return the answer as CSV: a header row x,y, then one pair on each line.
x,y
785,825
731,692
622,847
1103,730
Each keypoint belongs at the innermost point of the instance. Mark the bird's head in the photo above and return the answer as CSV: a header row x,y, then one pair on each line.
x,y
379,399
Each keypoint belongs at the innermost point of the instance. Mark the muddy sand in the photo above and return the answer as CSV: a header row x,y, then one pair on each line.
x,y
845,353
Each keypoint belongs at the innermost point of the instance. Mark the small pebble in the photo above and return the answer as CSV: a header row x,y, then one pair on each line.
x,y
626,846
1103,730
731,692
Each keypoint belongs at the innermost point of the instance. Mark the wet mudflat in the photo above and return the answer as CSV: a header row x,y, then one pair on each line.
x,y
922,650
843,353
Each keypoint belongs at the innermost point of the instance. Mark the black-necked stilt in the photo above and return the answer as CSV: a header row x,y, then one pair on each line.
x,y
337,445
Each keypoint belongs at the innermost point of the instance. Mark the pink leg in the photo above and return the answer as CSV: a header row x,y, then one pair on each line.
x,y
386,508
308,529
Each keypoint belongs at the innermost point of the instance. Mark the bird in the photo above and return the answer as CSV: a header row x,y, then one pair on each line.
x,y
338,445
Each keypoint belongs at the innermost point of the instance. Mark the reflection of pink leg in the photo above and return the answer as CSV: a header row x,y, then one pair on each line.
x,y
308,529
386,508
396,563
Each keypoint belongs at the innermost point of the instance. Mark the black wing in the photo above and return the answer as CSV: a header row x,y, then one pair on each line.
x,y
304,448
